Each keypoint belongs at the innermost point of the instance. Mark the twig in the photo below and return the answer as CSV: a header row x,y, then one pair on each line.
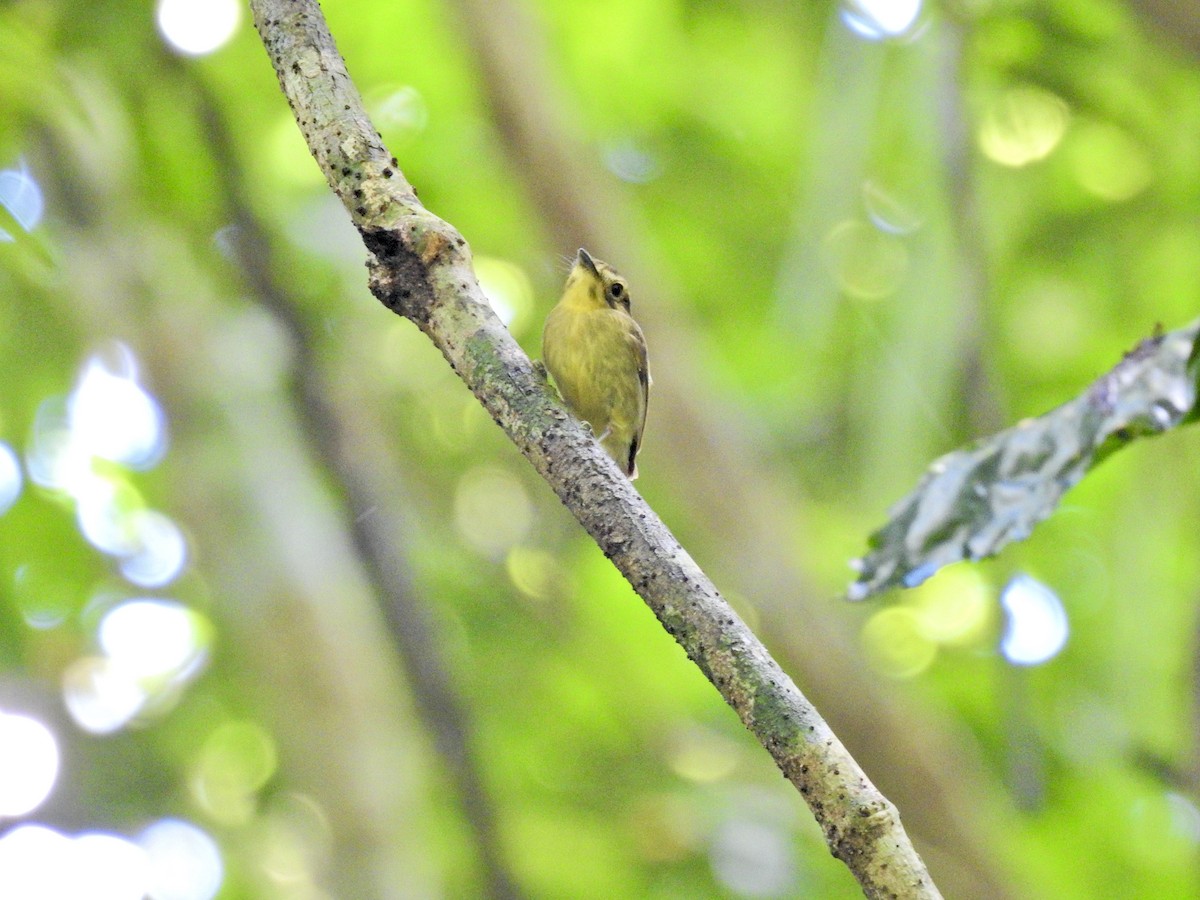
x,y
420,268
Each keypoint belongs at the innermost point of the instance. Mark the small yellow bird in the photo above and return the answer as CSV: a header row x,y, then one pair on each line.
x,y
597,355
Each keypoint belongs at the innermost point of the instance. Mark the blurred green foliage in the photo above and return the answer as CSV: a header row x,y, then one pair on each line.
x,y
881,250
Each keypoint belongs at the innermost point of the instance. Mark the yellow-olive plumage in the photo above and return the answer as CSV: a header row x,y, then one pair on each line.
x,y
597,355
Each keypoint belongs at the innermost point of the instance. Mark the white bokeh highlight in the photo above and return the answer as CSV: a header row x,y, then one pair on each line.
x,y
1036,626
184,861
111,416
877,20
39,863
158,550
29,763
150,638
198,27
21,195
10,477
100,695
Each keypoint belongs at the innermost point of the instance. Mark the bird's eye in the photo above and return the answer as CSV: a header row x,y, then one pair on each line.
x,y
616,290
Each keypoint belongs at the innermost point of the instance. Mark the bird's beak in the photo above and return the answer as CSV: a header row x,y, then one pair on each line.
x,y
585,259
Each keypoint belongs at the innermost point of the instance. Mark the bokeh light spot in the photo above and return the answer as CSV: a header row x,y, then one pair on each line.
x,y
111,416
753,859
53,460
1037,627
398,351
158,550
537,574
236,760
702,756
39,863
666,828
890,209
29,761
492,510
22,197
865,262
151,638
1185,816
104,507
454,420
954,608
895,642
298,842
43,596
100,695
1024,125
198,27
10,478
83,444
108,867
108,416
1108,163
35,864
399,112
184,861
1160,826
874,20
507,288
1047,323
631,163
319,226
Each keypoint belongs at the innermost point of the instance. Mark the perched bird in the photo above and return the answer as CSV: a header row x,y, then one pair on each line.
x,y
597,355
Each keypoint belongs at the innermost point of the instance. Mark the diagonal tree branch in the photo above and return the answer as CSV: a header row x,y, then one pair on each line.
x,y
420,268
934,774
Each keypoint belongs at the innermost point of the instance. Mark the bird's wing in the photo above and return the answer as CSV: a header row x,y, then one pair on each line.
x,y
637,342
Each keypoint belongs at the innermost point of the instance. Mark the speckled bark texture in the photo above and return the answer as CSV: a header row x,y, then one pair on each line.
x,y
421,269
